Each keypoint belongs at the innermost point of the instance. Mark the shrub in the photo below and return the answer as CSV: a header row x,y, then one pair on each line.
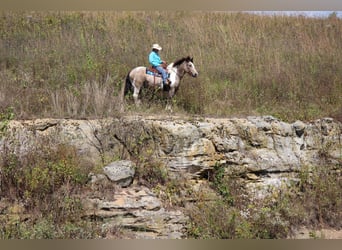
x,y
322,196
315,202
47,182
41,172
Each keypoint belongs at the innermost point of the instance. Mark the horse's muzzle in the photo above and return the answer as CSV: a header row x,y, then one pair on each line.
x,y
195,75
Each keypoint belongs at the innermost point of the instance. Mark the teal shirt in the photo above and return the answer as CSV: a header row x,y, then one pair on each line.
x,y
154,59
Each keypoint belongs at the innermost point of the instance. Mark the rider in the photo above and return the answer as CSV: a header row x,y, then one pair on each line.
x,y
156,62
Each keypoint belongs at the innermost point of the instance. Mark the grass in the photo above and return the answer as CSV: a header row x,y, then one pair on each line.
x,y
72,64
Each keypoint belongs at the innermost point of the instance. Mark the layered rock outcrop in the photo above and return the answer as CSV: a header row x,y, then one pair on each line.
x,y
263,150
190,147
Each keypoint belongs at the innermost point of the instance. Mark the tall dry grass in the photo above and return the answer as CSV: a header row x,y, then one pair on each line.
x,y
72,64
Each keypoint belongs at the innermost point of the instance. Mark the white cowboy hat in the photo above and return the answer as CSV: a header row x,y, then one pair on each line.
x,y
156,46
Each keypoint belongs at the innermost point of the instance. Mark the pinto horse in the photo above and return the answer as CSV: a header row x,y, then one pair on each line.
x,y
140,76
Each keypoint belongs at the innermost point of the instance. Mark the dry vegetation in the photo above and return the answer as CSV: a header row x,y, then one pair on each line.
x,y
40,194
72,64
314,202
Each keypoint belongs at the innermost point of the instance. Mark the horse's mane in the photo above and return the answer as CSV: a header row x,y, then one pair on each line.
x,y
180,61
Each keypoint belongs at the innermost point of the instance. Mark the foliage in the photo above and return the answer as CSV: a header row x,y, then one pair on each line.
x,y
45,183
221,185
314,201
45,228
151,174
322,196
41,172
5,116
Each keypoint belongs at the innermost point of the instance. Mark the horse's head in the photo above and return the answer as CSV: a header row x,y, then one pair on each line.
x,y
190,67
185,65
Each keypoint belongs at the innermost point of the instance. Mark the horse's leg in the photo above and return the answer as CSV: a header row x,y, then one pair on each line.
x,y
169,100
136,96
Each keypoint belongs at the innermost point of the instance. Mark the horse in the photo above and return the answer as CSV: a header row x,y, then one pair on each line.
x,y
140,76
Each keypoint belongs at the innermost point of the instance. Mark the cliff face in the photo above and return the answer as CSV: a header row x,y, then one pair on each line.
x,y
263,150
191,147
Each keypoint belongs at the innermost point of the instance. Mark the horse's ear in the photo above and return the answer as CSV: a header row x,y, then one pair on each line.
x,y
192,59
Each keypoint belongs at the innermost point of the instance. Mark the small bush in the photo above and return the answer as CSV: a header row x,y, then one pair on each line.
x,y
322,196
6,115
46,228
315,202
151,174
48,182
41,172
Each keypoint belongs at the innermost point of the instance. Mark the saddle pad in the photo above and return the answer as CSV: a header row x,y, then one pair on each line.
x,y
149,72
156,74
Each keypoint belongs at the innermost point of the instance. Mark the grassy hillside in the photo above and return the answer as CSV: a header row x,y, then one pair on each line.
x,y
72,64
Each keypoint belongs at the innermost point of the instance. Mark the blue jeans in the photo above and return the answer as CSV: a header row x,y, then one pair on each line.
x,y
162,72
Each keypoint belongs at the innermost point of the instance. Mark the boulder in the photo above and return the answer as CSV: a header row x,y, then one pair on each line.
x,y
120,172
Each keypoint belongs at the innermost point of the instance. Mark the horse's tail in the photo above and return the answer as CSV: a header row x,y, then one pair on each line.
x,y
126,87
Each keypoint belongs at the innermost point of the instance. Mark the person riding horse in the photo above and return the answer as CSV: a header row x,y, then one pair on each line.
x,y
156,62
139,77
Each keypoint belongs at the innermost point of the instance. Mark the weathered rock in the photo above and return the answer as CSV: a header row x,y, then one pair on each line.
x,y
96,179
263,150
120,172
190,147
299,128
139,210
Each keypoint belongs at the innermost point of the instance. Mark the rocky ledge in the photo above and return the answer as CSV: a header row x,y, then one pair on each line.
x,y
263,150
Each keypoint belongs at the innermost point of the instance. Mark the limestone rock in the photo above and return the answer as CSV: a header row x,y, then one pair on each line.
x,y
263,150
189,147
120,172
137,209
299,128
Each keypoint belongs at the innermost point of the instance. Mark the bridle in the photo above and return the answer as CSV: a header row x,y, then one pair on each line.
x,y
176,71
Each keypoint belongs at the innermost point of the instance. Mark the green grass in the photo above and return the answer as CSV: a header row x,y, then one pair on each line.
x,y
60,64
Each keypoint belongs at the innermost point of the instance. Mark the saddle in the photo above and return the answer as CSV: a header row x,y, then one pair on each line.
x,y
154,72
